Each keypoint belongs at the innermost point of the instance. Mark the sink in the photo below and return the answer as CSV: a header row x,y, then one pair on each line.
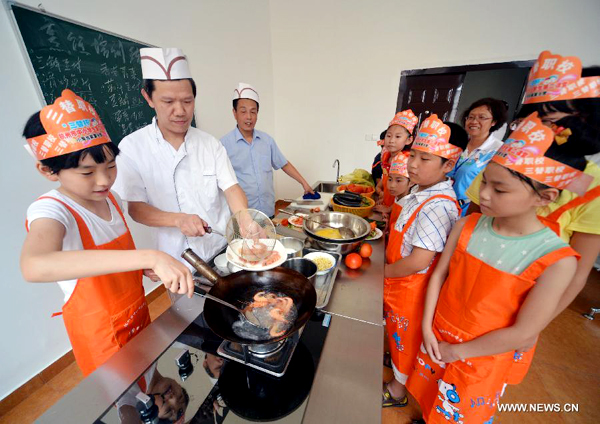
x,y
326,186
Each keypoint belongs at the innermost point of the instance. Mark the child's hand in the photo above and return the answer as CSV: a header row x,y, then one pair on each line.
x,y
174,275
431,346
448,352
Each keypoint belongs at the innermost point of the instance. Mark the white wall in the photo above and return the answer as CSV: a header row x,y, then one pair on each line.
x,y
225,44
337,63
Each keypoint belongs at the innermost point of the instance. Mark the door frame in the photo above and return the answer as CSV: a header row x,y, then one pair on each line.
x,y
458,70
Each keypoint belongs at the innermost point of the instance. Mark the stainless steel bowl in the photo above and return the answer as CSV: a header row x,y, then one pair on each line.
x,y
305,267
358,225
293,246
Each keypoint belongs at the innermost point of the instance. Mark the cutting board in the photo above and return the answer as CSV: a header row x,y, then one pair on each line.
x,y
325,199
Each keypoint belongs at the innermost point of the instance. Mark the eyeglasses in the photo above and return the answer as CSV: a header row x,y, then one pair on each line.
x,y
478,117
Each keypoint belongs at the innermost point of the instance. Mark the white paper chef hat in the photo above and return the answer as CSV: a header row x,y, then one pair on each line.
x,y
164,64
245,91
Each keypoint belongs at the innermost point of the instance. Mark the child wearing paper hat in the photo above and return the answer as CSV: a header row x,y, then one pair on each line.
x,y
78,236
398,137
568,103
428,213
505,261
398,185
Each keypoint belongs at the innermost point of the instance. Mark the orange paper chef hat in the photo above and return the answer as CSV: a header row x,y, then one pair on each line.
x,y
433,137
554,77
406,118
400,165
71,124
524,151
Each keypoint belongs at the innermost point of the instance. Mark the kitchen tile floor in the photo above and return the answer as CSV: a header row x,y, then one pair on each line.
x,y
564,371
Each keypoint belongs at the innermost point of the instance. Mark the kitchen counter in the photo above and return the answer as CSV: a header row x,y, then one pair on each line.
x,y
347,383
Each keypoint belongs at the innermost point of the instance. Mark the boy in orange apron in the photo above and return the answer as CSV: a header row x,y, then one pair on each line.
x,y
78,236
504,274
428,213
398,138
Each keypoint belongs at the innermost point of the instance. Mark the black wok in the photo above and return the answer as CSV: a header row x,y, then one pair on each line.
x,y
239,289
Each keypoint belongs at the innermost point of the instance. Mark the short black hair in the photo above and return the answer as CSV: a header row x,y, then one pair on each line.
x,y
382,135
149,87
498,109
34,128
235,103
458,137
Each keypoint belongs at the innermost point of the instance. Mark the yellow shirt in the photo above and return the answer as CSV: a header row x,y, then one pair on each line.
x,y
582,219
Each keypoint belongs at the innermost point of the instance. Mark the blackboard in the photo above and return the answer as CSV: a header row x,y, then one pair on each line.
x,y
102,68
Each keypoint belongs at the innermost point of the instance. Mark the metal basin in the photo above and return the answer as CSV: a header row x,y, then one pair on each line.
x,y
326,187
358,225
303,266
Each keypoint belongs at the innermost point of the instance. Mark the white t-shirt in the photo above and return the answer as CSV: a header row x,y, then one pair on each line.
x,y
102,231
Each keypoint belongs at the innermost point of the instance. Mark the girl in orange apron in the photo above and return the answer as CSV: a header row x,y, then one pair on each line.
x,y
478,313
398,137
105,311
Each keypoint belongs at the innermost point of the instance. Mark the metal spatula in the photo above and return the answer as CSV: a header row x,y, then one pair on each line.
x,y
250,318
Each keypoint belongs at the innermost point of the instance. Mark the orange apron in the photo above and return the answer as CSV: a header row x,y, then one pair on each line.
x,y
522,361
475,299
106,311
395,213
404,299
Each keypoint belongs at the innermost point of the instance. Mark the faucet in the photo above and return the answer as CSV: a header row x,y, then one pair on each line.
x,y
337,178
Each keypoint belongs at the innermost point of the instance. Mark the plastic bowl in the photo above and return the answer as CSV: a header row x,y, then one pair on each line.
x,y
314,255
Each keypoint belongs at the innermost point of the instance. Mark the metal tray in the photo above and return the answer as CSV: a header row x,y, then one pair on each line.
x,y
324,283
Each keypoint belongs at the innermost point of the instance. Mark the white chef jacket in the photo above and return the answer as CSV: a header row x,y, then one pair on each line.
x,y
189,180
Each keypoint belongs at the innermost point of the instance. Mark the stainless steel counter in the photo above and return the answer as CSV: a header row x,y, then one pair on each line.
x,y
347,384
358,294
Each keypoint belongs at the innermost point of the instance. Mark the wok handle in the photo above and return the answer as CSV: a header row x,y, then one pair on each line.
x,y
202,267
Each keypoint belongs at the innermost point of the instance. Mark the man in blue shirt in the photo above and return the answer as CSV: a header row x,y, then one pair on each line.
x,y
254,154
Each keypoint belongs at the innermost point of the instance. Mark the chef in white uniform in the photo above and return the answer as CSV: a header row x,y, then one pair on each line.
x,y
175,177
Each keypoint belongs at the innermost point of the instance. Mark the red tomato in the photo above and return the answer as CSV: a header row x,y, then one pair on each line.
x,y
373,225
285,222
366,250
353,261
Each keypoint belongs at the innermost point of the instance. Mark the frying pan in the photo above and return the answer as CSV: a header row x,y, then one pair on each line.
x,y
239,289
